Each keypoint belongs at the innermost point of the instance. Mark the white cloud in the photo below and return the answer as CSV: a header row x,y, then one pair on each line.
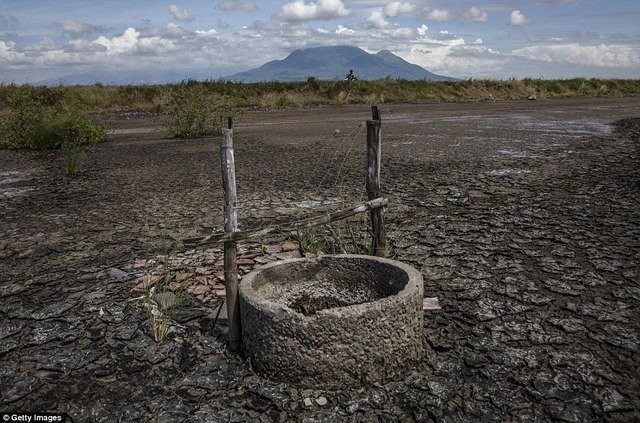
x,y
438,15
180,14
397,8
77,29
400,32
171,31
83,46
125,43
517,18
475,14
478,41
321,9
175,30
342,30
603,55
207,33
422,30
8,53
156,46
456,58
44,45
231,5
377,19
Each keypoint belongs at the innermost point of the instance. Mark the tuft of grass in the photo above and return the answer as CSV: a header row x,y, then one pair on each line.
x,y
72,156
310,241
159,309
161,301
343,237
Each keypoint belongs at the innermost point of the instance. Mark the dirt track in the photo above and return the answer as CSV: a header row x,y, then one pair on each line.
x,y
523,217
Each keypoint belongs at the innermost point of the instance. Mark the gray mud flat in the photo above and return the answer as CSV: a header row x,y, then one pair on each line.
x,y
523,218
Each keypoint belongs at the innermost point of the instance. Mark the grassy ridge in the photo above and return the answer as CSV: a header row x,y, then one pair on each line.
x,y
157,98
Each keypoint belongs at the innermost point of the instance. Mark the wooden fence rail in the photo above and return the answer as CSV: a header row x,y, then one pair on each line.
x,y
286,227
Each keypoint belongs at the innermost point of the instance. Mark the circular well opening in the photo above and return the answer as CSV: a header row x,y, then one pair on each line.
x,y
308,287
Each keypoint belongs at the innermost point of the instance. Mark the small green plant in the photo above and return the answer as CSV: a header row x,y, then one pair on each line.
x,y
338,238
72,156
310,241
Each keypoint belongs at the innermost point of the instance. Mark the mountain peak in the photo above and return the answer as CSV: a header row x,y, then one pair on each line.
x,y
335,62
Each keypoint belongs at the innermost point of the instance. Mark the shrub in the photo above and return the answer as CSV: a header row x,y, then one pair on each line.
x,y
39,121
197,110
193,111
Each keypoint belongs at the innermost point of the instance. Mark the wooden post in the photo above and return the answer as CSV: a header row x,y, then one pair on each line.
x,y
374,156
230,248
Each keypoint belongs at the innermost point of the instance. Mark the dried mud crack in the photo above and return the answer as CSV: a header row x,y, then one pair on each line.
x,y
523,218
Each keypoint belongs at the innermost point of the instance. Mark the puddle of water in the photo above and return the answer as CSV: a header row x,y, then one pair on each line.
x,y
565,127
523,121
415,120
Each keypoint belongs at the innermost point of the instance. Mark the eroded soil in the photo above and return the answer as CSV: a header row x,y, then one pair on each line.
x,y
523,217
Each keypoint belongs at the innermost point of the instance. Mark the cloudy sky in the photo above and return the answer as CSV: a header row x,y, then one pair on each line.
x,y
51,39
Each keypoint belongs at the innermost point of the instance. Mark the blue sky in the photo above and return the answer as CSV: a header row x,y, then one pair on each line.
x,y
46,39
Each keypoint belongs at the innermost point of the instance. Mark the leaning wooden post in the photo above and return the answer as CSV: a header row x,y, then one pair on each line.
x,y
230,247
374,155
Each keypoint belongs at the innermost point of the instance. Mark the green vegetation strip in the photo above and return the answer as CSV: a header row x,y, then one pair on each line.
x,y
164,98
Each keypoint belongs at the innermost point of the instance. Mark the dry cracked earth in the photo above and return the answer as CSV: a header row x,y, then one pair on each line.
x,y
523,217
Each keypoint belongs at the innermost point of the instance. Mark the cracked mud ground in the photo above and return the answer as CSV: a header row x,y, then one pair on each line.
x,y
523,217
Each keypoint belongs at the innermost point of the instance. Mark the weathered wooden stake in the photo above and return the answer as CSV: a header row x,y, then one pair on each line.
x,y
374,156
230,225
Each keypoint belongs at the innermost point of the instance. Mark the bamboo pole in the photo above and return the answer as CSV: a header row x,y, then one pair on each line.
x,y
230,226
374,157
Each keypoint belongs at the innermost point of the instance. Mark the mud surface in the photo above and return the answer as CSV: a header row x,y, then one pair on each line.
x,y
523,217
311,305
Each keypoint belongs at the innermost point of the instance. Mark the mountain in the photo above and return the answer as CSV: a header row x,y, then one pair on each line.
x,y
335,63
